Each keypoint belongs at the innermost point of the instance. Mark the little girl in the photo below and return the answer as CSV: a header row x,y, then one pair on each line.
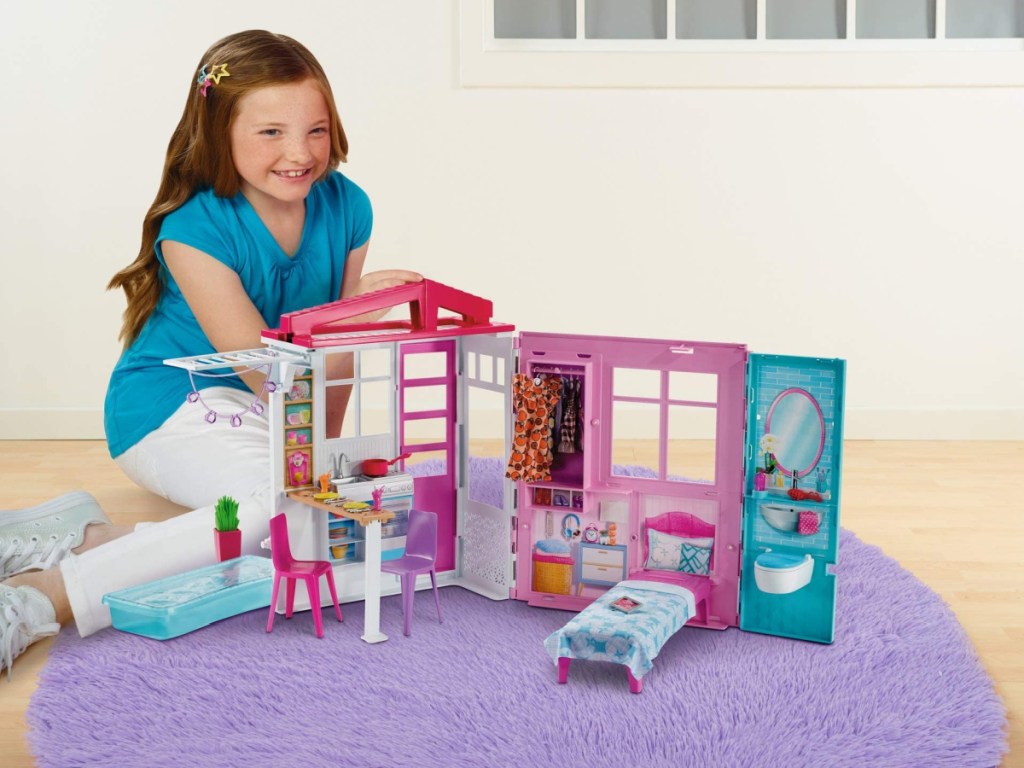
x,y
251,220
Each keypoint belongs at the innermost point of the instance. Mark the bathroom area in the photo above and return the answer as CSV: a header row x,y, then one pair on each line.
x,y
791,496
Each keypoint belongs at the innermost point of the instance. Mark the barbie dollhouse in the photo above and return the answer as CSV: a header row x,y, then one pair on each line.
x,y
750,522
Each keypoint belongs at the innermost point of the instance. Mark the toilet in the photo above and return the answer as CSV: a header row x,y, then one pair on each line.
x,y
779,574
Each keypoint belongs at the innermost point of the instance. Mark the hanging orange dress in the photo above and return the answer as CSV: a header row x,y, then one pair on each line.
x,y
533,402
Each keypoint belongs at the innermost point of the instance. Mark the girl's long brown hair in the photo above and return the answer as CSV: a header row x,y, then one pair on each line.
x,y
199,153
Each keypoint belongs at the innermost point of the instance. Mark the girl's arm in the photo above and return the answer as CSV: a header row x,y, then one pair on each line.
x,y
216,297
231,321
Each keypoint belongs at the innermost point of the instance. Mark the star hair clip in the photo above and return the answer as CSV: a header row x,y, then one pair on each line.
x,y
204,81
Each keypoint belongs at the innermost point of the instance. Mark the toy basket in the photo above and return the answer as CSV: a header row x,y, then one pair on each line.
x,y
552,573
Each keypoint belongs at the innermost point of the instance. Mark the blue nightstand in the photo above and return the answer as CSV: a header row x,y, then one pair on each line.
x,y
600,565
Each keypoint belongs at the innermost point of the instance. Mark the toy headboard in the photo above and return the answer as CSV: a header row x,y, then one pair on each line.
x,y
678,524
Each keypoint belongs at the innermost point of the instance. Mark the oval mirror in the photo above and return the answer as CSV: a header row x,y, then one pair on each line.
x,y
796,420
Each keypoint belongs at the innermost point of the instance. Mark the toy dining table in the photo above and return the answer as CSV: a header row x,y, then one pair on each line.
x,y
371,521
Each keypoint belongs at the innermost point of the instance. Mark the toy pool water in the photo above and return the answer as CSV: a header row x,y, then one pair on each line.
x,y
185,602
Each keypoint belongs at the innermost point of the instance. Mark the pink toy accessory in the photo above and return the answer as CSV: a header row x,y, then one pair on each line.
x,y
298,468
288,568
807,522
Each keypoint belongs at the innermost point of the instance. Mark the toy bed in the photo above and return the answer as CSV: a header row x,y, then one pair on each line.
x,y
631,622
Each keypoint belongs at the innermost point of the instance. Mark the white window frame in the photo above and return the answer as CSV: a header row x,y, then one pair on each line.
x,y
354,411
760,63
664,401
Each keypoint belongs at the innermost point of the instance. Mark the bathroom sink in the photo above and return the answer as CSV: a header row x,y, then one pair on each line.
x,y
783,517
784,493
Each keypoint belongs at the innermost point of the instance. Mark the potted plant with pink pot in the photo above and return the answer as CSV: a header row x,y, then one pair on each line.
x,y
226,535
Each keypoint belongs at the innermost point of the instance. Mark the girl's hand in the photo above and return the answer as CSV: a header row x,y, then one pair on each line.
x,y
376,281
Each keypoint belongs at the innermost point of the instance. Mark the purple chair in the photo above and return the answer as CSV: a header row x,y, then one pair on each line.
x,y
290,569
420,553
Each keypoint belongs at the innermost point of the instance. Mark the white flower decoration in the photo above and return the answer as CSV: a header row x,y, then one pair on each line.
x,y
770,443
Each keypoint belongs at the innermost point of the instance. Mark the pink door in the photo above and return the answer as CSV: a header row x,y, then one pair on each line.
x,y
426,429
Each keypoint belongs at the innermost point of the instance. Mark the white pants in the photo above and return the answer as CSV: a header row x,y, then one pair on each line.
x,y
192,463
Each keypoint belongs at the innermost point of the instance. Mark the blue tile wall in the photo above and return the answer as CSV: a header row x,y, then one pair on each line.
x,y
821,384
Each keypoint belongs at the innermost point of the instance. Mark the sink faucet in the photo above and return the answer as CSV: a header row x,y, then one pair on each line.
x,y
338,464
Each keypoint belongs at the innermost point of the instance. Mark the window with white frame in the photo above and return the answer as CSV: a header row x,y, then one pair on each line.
x,y
365,381
676,411
742,43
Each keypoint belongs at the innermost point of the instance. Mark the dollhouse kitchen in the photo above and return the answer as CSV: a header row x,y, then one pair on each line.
x,y
553,522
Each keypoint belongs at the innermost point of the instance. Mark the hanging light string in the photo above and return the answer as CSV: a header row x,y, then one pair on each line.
x,y
235,418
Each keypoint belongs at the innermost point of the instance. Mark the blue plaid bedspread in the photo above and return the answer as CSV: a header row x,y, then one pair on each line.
x,y
601,633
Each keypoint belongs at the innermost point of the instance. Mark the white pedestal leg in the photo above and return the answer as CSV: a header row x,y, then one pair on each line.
x,y
371,601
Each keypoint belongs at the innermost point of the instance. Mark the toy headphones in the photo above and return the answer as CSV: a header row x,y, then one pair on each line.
x,y
570,527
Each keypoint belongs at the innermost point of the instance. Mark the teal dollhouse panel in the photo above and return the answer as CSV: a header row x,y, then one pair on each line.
x,y
791,496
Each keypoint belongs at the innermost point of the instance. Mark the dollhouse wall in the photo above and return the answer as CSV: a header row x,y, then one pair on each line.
x,y
716,502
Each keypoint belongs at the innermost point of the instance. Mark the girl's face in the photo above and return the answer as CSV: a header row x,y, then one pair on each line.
x,y
280,143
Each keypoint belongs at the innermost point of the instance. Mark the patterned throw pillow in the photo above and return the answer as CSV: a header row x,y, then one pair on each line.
x,y
696,560
663,551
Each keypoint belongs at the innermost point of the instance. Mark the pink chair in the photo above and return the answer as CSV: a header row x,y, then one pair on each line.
x,y
419,557
287,567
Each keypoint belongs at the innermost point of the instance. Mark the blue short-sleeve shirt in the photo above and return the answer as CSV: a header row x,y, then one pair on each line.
x,y
143,391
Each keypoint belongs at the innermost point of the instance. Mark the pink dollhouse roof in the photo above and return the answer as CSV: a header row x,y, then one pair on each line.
x,y
327,325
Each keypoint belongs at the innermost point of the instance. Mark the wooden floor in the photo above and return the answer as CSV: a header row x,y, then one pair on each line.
x,y
950,512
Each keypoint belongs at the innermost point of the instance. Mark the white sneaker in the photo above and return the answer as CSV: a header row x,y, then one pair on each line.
x,y
41,536
26,615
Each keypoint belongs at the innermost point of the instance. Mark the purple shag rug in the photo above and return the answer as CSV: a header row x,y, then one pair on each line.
x,y
901,686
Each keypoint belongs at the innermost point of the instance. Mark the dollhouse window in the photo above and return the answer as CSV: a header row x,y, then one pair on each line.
x,y
483,370
741,43
369,388
487,401
666,422
487,407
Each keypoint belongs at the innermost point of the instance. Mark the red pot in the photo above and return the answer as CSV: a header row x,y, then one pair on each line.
x,y
228,544
379,467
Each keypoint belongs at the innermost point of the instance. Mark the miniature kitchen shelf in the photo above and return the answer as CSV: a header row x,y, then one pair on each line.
x,y
298,415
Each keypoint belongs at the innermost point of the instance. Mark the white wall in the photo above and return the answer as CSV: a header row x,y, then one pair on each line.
x,y
873,225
